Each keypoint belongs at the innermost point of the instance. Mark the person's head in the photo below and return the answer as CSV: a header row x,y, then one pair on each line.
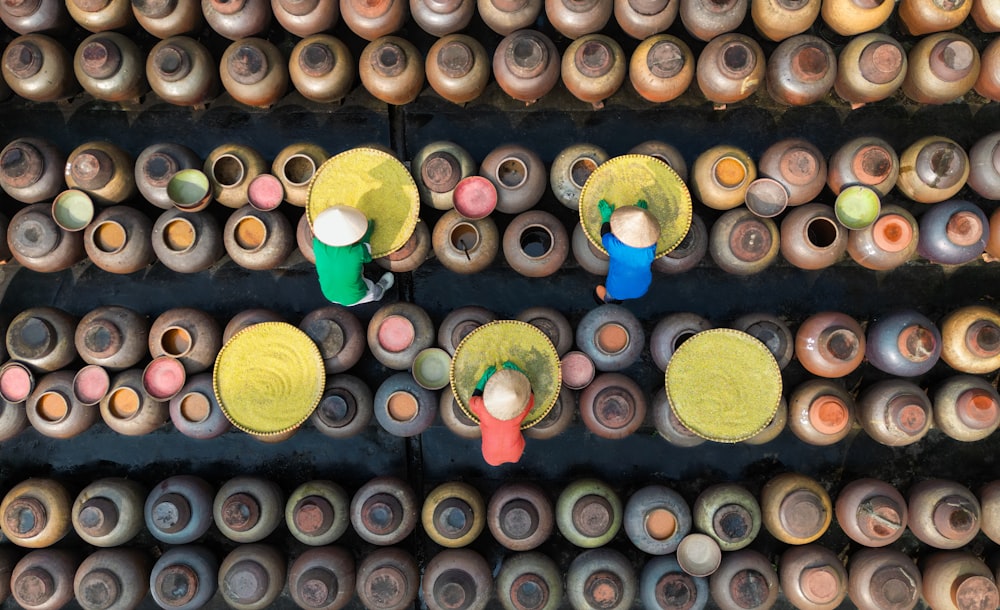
x,y
507,394
340,225
635,226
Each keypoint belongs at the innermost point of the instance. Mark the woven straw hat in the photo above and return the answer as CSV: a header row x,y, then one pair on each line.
x,y
340,225
635,226
506,394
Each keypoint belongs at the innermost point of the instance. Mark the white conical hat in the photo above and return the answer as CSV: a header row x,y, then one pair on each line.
x,y
340,225
506,394
635,226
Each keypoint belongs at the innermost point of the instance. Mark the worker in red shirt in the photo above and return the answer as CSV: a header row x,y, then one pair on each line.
x,y
501,401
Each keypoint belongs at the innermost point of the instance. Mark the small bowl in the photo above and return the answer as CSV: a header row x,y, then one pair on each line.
x,y
577,370
432,368
189,190
857,206
163,378
91,384
16,382
699,555
265,192
73,210
766,197
474,197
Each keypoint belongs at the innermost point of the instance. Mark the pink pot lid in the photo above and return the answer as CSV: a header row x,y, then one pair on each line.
x,y
396,333
91,384
163,378
578,370
265,192
16,382
475,197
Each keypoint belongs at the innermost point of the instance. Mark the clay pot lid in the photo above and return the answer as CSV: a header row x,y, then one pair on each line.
x,y
892,233
578,370
829,415
474,197
90,384
857,206
396,333
699,555
265,192
73,210
431,367
16,382
976,592
766,197
163,378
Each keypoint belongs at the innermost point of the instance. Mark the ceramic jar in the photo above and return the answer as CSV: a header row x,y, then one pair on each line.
x,y
895,412
53,409
957,579
664,152
871,512
989,499
118,240
231,168
593,68
338,334
745,580
984,166
13,420
458,68
798,165
903,343
801,70
190,335
742,243
871,68
601,577
258,240
103,170
371,20
887,243
29,17
39,69
720,177
706,20
689,253
586,254
42,338
796,509
31,170
943,514
612,336
507,16
811,237
112,578
570,170
588,513
557,420
612,406
730,68
397,332
663,584
43,580
670,332
108,512
656,519
392,70
345,409
520,516
453,514
526,65
662,66
812,576
518,175
953,233
181,71
317,512
184,578
465,246
851,17
156,165
437,168
643,19
305,17
966,408
457,577
455,419
254,72
883,578
187,242
770,330
774,428
551,322
934,169
729,513
388,579
529,579
403,407
830,344
576,18
128,409
868,161
236,20
919,17
535,244
252,576
166,18
36,513
971,340
179,509
195,412
820,412
295,165
109,67
986,17
780,19
247,508
940,68
384,511
442,17
321,68
101,16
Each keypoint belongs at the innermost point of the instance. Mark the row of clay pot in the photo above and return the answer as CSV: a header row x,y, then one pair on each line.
x,y
526,65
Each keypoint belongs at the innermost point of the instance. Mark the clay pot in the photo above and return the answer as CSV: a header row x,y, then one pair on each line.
x,y
507,16
437,168
830,344
943,514
576,18
442,17
392,70
656,519
373,19
43,580
321,68
247,508
103,170
903,343
526,64
801,70
535,244
458,68
663,585
798,165
730,68
184,578
952,578
707,19
971,340
252,576
986,17
529,578
248,318
317,512
770,330
867,161
397,332
555,326
13,421
30,17
811,237
881,578
166,18
953,233
455,419
453,514
465,246
745,580
588,513
156,165
643,19
781,19
338,334
889,242
587,255
36,513
984,166
941,68
414,252
53,409
345,409
743,244
179,509
128,409
231,168
812,576
895,412
101,16
39,69
662,66
670,332
112,578
774,428
966,408
187,242
108,512
181,71
195,412
41,337
306,17
851,17
989,496
254,71
404,408
258,240
236,20
871,68
720,177
118,240
31,170
295,166
729,513
871,512
796,509
935,168
388,579
557,420
593,67
689,253
820,412
613,406
520,516
457,577
109,66
518,175
384,511
612,336
601,576
919,17
190,335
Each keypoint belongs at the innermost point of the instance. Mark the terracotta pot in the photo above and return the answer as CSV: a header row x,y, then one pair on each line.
x,y
345,409
705,19
820,412
601,576
179,509
164,19
36,513
889,242
689,253
388,579
953,233
465,246
612,406
248,318
526,64
557,420
730,68
894,412
743,244
904,343
118,240
258,240
53,409
812,576
989,498
919,17
187,242
798,165
184,578
397,332
554,324
455,419
442,17
42,338
43,580
236,20
42,16
109,66
108,512
529,578
795,508
371,20
850,17
612,336
871,512
588,513
507,16
593,68
871,68
868,161
248,508
338,334
535,244
586,254
403,407
305,17
520,516
943,514
113,337
13,421
437,168
195,412
951,578
231,168
970,340
986,16
934,169
103,170
729,513
317,512
781,19
656,519
112,578
101,16
720,177
879,578
830,344
384,511
770,330
181,71
457,574
519,176
254,71
128,409
774,428
295,166
252,576
453,514
643,19
801,71
576,18
190,335
941,68
670,332
392,70
662,66
322,578
39,69
811,237
321,68
156,165
458,68
966,408
984,166
415,252
663,584
31,170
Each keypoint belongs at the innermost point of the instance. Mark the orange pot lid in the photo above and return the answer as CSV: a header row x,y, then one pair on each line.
x,y
268,378
724,385
625,180
376,183
523,344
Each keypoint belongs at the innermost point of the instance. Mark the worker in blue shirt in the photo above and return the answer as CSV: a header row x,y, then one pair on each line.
x,y
629,234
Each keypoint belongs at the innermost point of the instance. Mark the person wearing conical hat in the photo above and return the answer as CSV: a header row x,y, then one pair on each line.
x,y
501,401
341,245
629,234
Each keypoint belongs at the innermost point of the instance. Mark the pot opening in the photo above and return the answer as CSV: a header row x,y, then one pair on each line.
x,y
299,169
250,233
179,235
580,170
464,237
536,241
402,406
176,341
512,173
612,338
228,170
52,407
822,232
110,237
195,407
123,403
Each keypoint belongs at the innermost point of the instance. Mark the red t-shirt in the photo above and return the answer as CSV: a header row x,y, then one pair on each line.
x,y
502,440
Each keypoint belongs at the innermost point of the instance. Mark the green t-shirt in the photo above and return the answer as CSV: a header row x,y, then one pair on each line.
x,y
341,271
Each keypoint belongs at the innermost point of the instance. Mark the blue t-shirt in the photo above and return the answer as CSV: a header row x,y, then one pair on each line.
x,y
629,273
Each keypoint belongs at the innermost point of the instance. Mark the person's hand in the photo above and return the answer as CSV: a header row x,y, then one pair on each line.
x,y
642,204
511,366
606,209
486,377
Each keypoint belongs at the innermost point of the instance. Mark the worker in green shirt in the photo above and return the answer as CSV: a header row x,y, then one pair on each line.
x,y
341,245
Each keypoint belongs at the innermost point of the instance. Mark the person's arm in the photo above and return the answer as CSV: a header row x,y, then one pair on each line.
x,y
481,385
606,210
366,242
527,410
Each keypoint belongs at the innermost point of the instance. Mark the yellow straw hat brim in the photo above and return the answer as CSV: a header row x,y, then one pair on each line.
x,y
623,181
521,343
724,385
374,182
268,378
